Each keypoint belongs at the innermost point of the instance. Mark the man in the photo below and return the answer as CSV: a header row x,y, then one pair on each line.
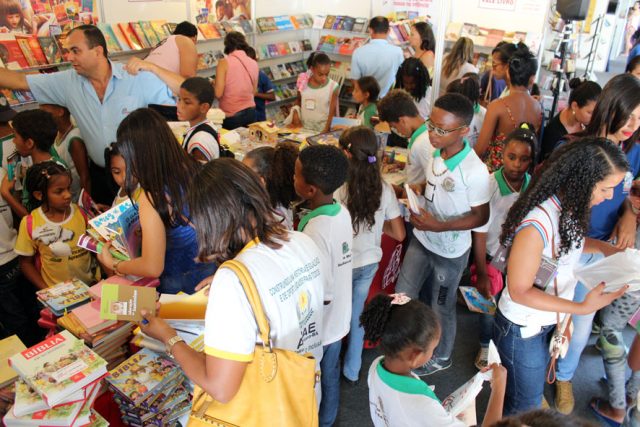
x,y
99,94
377,58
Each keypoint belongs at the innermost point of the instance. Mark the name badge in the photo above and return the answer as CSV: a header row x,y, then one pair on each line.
x,y
310,104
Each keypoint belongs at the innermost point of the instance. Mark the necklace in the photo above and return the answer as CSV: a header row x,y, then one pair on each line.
x,y
433,170
506,180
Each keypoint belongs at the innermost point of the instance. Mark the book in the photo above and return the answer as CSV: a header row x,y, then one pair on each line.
x,y
348,22
208,31
62,415
26,51
283,22
360,25
246,26
9,347
123,302
130,36
183,306
27,401
113,45
36,50
11,53
120,37
615,271
476,302
139,32
41,6
453,31
149,33
58,366
89,316
50,49
328,22
107,225
160,28
64,296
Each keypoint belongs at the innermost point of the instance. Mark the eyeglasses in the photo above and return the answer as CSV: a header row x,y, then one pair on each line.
x,y
439,131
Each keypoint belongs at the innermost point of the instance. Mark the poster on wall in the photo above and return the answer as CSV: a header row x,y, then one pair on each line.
x,y
45,18
497,4
222,10
411,8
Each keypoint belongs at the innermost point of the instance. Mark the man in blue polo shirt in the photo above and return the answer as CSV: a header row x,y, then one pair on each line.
x,y
99,93
377,58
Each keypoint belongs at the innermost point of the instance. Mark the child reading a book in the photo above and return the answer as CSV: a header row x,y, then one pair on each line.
x,y
114,162
506,184
194,101
69,146
48,237
365,93
413,77
408,332
374,208
320,170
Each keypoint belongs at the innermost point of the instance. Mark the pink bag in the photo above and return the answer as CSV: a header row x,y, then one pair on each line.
x,y
495,278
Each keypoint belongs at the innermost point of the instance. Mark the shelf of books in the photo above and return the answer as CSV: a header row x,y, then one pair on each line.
x,y
341,23
487,38
281,23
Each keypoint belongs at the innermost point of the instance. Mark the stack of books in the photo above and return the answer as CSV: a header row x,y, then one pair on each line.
x,y
274,50
269,24
64,296
150,390
60,379
340,45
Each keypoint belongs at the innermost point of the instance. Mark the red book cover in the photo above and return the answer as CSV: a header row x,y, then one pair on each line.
x,y
37,50
11,54
131,37
137,30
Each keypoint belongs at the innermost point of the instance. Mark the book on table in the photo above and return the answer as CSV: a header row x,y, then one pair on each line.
x,y
64,296
9,347
123,302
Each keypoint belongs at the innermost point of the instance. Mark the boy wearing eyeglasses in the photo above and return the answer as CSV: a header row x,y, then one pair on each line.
x,y
457,194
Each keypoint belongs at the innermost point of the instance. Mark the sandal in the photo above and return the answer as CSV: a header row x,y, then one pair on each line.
x,y
594,405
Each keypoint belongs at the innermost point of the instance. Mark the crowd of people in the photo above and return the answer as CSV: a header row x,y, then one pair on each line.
x,y
491,178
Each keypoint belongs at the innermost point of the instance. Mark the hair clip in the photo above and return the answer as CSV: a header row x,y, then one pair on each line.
x,y
524,126
399,299
372,159
45,173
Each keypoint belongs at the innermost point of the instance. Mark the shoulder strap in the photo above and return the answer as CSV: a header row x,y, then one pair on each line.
x,y
202,127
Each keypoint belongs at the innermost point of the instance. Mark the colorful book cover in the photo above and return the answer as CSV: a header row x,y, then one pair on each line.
x,y
294,46
129,36
348,22
89,316
306,45
50,49
122,302
149,33
476,302
61,14
9,347
107,225
130,231
208,31
283,23
283,49
246,26
41,6
136,28
169,27
65,295
62,415
113,45
160,29
337,24
58,366
273,50
26,51
27,401
11,53
328,22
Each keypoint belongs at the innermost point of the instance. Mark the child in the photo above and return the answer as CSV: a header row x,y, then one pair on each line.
x,y
276,167
469,86
50,232
365,93
12,19
457,200
194,101
69,146
413,77
317,103
373,207
303,78
265,92
506,184
320,170
408,332
114,162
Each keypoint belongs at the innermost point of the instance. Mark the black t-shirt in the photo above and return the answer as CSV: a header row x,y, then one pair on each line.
x,y
553,132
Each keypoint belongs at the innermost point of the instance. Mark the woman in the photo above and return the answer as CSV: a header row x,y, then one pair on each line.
x,y
177,53
505,114
423,43
574,118
164,172
272,255
457,63
236,82
551,220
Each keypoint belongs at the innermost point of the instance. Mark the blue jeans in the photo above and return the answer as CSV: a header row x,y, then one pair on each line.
x,y
330,382
526,361
361,281
240,119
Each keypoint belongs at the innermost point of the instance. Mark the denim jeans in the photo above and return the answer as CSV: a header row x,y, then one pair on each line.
x,y
526,361
361,281
330,382
187,281
240,119
435,280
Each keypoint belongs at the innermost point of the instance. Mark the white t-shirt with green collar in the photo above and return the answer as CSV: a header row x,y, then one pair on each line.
x,y
420,150
454,186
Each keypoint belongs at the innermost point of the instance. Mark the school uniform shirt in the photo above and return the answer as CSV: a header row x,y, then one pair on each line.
x,y
329,226
202,141
547,226
424,104
365,114
62,149
8,234
502,198
454,186
420,150
56,244
366,244
315,105
401,401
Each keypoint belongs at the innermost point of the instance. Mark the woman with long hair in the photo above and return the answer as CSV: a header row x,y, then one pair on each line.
x,y
457,63
423,43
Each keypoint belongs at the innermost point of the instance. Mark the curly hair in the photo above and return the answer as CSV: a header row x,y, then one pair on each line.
x,y
397,103
571,175
276,166
525,135
414,68
364,181
38,179
324,166
468,85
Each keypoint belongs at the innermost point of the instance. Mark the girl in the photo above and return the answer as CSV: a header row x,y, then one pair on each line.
x,y
318,102
423,43
276,167
413,77
50,232
12,19
457,63
551,220
365,93
165,173
114,162
408,331
469,86
374,208
633,67
507,183
303,78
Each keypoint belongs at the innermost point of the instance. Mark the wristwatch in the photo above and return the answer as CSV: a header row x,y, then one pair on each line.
x,y
171,342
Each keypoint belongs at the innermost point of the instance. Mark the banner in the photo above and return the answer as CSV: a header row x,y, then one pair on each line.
x,y
498,4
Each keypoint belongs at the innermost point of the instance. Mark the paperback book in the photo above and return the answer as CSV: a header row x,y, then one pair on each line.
x,y
122,302
64,296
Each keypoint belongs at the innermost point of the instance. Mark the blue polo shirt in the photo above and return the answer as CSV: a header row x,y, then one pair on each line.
x,y
98,122
380,59
264,86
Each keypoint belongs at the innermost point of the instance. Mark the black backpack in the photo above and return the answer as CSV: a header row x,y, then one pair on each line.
x,y
204,127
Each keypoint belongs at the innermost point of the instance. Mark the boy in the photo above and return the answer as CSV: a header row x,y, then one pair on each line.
x,y
265,92
319,171
194,101
457,194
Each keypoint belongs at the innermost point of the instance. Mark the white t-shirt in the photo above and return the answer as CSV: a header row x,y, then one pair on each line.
x,y
453,187
476,124
424,105
420,150
203,142
467,67
315,105
527,316
366,244
62,147
330,228
8,234
400,401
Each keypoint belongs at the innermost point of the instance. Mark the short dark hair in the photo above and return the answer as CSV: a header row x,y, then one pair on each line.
x,y
235,40
468,85
93,36
632,64
320,58
370,85
397,103
324,167
379,25
186,28
37,125
428,42
522,66
456,104
199,87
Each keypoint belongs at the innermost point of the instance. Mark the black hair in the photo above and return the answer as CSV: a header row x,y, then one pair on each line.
x,y
535,90
397,103
524,133
320,58
229,208
310,58
324,166
379,25
468,85
498,46
506,50
397,327
186,28
458,105
583,92
38,178
426,35
543,418
164,170
364,181
370,85
93,36
571,174
112,150
635,61
413,67
201,88
251,53
235,40
277,167
522,66
37,125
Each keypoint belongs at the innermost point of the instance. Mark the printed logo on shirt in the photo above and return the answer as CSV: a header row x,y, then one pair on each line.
x,y
55,237
346,254
303,307
345,248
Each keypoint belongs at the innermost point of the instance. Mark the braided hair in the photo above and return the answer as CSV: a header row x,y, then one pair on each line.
x,y
413,67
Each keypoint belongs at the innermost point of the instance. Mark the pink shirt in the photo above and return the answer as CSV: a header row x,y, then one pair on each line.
x,y
167,55
242,73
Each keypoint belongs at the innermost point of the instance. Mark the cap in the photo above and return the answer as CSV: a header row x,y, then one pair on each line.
x,y
6,112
